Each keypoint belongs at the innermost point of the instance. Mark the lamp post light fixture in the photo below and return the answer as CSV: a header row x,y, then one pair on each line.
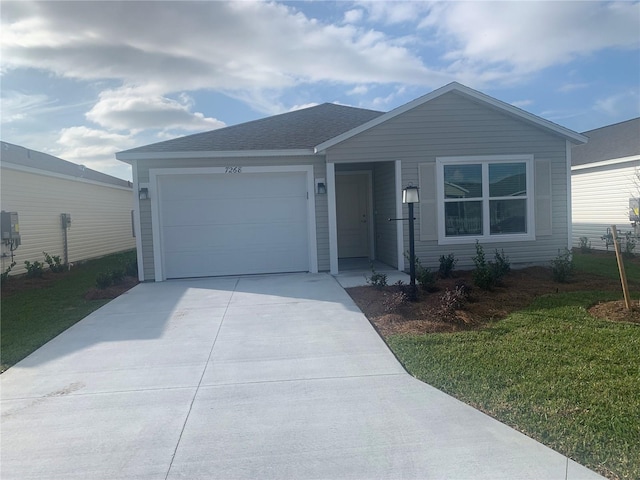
x,y
410,196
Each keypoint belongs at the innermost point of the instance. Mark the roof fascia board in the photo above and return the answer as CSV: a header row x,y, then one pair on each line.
x,y
47,173
606,163
127,157
570,135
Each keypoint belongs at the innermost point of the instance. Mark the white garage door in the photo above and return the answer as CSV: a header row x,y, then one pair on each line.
x,y
230,224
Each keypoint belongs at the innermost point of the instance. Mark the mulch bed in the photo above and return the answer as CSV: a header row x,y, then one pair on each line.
x,y
390,315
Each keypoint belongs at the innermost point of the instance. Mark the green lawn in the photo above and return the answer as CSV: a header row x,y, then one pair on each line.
x,y
32,317
551,370
605,264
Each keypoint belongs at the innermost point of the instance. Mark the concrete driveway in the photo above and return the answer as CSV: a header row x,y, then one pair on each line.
x,y
271,377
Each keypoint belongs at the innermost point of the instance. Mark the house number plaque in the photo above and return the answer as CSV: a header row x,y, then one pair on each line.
x,y
232,169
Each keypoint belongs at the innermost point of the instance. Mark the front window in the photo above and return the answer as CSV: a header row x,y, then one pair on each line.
x,y
484,198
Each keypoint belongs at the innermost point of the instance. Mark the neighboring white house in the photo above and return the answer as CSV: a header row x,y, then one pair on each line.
x,y
302,190
40,188
605,177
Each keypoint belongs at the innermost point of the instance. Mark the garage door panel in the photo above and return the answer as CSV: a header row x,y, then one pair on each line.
x,y
251,210
220,262
202,237
200,187
223,224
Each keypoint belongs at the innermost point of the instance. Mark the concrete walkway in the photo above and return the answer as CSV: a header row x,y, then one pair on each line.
x,y
272,377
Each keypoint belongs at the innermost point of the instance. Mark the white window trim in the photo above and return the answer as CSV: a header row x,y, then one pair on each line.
x,y
486,238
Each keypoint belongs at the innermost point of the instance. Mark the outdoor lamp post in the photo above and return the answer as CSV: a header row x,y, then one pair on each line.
x,y
410,196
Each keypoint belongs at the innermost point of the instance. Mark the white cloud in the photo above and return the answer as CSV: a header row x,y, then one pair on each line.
x,y
93,148
395,12
358,90
16,106
353,16
619,105
213,45
303,106
523,37
570,87
134,109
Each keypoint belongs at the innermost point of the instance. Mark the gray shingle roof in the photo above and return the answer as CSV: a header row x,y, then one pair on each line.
x,y
18,155
300,129
606,143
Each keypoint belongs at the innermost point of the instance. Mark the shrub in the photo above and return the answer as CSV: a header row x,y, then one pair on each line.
x,y
450,301
629,244
447,264
117,276
376,279
103,280
482,275
585,245
5,275
562,266
395,300
35,269
424,276
502,265
489,274
54,262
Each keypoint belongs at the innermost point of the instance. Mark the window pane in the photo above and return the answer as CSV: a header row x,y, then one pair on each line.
x,y
507,179
463,181
463,218
508,216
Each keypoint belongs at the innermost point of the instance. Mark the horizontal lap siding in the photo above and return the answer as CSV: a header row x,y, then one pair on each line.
x,y
453,125
319,169
600,198
100,217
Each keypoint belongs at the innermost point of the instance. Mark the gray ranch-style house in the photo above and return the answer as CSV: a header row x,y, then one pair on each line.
x,y
300,191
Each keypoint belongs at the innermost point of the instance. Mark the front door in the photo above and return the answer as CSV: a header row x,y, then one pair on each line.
x,y
352,205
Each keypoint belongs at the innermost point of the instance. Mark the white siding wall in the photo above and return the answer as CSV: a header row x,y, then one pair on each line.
x,y
600,198
319,169
453,125
100,217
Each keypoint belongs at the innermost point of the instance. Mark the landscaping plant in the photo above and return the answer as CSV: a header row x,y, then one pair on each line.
x,y
562,266
447,264
35,269
585,245
54,262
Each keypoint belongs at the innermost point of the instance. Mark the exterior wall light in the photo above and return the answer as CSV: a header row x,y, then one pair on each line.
x,y
143,193
321,186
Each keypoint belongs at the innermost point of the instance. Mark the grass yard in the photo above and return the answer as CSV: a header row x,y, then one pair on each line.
x,y
33,311
551,371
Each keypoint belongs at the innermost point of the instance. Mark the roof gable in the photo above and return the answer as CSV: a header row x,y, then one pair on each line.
x,y
457,88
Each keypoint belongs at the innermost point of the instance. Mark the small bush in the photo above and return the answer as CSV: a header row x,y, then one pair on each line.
x,y
585,245
394,300
54,262
482,275
501,266
629,244
424,276
447,264
117,276
449,302
103,280
489,274
562,266
5,275
35,269
376,279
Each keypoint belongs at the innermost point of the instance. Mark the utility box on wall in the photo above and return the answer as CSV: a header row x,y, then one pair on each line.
x,y
10,229
66,220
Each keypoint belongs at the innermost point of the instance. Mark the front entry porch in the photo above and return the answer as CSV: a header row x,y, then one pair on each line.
x,y
361,199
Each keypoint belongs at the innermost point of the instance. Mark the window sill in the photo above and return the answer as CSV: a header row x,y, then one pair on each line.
x,y
471,239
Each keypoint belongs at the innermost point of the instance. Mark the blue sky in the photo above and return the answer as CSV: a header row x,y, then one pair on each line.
x,y
84,80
